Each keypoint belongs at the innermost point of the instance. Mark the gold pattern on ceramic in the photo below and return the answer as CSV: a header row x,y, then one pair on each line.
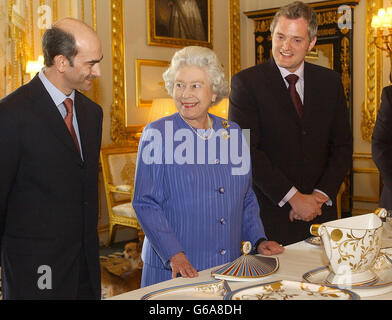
x,y
336,235
207,289
246,247
352,245
290,290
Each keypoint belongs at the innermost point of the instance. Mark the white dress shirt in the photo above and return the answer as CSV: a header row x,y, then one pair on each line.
x,y
300,89
58,98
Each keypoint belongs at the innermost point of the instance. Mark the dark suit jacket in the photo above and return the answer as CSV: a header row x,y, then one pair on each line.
x,y
382,146
48,195
312,153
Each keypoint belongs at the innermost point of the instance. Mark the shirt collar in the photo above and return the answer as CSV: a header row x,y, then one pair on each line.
x,y
299,72
57,96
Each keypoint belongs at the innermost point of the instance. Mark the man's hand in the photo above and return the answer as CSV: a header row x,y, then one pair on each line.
x,y
268,248
305,207
320,198
179,263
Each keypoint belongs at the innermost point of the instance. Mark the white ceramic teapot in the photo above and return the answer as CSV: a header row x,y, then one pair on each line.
x,y
351,245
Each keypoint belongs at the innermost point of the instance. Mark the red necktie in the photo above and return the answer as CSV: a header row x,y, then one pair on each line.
x,y
68,121
292,80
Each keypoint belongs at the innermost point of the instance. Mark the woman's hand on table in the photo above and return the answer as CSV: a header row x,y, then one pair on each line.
x,y
180,264
269,248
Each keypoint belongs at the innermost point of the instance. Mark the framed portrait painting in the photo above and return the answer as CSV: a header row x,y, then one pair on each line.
x,y
179,23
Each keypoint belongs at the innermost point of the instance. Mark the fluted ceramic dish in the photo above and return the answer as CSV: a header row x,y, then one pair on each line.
x,y
208,290
247,268
291,290
382,268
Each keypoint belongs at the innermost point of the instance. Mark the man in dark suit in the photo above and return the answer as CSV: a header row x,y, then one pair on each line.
x,y
300,138
382,146
50,136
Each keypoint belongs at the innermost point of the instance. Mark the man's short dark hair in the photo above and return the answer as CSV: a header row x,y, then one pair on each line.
x,y
56,41
296,10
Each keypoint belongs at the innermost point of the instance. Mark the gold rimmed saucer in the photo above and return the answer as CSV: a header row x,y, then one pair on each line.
x,y
382,268
208,290
291,290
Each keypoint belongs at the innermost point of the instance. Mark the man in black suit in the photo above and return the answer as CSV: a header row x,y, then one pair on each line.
x,y
300,138
50,137
382,146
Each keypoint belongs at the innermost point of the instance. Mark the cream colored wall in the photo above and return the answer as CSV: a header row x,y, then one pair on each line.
x,y
105,91
136,47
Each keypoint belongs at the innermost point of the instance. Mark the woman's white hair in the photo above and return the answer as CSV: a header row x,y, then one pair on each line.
x,y
203,58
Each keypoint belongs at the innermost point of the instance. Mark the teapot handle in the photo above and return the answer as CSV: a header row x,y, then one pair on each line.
x,y
314,230
380,212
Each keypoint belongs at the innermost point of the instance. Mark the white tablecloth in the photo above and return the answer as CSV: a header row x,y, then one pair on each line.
x,y
296,260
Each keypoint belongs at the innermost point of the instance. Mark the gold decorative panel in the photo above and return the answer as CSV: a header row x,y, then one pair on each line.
x,y
373,75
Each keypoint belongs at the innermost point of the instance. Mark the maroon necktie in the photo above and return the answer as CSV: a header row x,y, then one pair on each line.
x,y
292,80
68,121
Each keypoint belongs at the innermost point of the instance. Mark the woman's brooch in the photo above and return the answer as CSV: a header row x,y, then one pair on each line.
x,y
225,134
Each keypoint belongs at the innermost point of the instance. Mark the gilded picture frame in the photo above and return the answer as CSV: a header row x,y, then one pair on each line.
x,y
179,23
149,83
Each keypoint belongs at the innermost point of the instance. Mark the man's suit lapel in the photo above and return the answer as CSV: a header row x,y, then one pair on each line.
x,y
278,87
310,89
46,109
81,114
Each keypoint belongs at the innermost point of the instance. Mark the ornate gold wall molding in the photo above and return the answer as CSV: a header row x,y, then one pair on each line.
x,y
373,75
118,112
94,14
345,65
235,44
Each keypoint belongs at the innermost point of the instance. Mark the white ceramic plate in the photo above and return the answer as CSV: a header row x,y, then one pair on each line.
x,y
209,290
382,267
291,290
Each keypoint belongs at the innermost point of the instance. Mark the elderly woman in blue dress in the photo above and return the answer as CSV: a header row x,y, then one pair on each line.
x,y
193,186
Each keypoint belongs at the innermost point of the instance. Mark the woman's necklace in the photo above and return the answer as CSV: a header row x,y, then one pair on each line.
x,y
204,137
